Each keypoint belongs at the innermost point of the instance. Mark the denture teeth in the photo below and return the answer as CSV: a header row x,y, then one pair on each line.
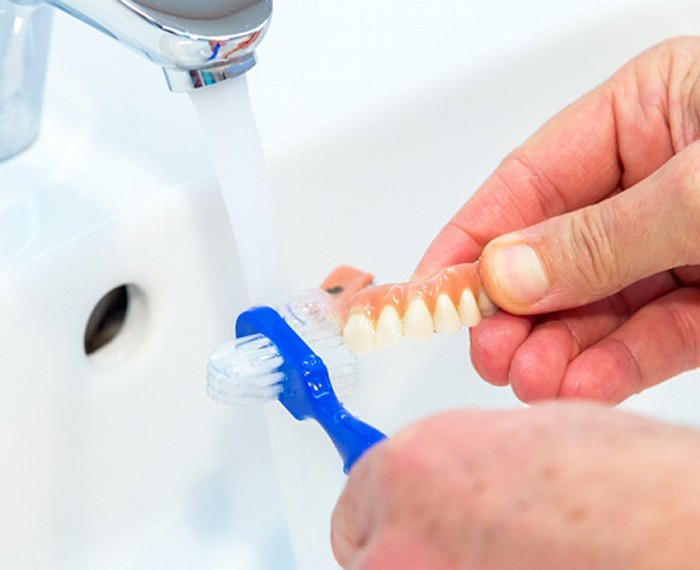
x,y
359,334
469,312
446,318
486,305
417,321
388,328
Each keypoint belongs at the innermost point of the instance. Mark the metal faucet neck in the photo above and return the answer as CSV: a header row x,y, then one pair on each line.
x,y
196,43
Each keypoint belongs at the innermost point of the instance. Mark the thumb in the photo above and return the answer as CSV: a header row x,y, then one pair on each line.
x,y
591,253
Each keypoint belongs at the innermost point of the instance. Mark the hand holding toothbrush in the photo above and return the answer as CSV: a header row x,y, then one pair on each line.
x,y
546,488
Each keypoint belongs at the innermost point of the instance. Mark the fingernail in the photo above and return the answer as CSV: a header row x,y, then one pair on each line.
x,y
519,273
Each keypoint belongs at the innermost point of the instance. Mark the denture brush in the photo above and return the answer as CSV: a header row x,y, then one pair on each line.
x,y
272,358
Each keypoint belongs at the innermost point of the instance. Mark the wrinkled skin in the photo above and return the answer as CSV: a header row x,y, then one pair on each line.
x,y
607,193
606,196
550,487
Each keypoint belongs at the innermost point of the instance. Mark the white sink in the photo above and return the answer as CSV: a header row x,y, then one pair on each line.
x,y
378,123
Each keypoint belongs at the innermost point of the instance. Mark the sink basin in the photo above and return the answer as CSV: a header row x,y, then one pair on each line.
x,y
377,125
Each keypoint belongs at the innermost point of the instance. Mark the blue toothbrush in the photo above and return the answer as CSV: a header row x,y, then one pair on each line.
x,y
271,359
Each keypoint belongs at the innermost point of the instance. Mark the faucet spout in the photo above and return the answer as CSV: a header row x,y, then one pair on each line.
x,y
196,43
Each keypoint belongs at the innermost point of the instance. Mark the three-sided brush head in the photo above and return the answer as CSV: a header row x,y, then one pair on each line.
x,y
271,359
248,369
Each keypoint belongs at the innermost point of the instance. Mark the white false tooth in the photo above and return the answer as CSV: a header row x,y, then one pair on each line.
x,y
486,305
359,335
388,328
446,318
417,322
469,312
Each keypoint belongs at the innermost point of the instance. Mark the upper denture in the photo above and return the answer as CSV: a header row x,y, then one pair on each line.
x,y
377,316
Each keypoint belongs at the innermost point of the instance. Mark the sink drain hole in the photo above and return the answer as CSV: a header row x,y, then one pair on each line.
x,y
107,319
115,326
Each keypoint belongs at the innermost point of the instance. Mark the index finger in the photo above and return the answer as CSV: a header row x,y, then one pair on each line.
x,y
609,139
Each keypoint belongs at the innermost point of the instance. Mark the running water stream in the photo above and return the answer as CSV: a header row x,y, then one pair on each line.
x,y
227,117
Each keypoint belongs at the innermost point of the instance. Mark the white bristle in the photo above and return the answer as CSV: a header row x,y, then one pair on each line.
x,y
311,316
247,369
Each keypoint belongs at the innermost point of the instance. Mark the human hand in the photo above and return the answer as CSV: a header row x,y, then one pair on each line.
x,y
601,211
566,486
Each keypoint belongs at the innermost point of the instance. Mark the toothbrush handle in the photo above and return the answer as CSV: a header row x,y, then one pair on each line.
x,y
351,437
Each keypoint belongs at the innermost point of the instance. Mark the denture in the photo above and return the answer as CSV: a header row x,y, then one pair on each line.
x,y
376,317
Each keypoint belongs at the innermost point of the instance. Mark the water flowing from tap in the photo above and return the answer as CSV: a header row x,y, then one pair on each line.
x,y
227,117
226,114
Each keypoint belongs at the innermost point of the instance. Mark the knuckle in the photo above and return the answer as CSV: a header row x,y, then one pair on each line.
x,y
684,202
688,185
593,252
398,459
687,330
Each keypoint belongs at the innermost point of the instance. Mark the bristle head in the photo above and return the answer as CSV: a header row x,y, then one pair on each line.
x,y
245,370
311,314
248,369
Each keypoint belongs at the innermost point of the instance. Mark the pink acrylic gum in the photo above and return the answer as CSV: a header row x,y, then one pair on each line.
x,y
374,316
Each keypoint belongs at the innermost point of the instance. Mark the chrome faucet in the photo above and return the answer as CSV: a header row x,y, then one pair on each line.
x,y
196,42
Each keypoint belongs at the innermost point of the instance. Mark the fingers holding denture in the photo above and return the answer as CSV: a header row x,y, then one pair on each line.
x,y
376,317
